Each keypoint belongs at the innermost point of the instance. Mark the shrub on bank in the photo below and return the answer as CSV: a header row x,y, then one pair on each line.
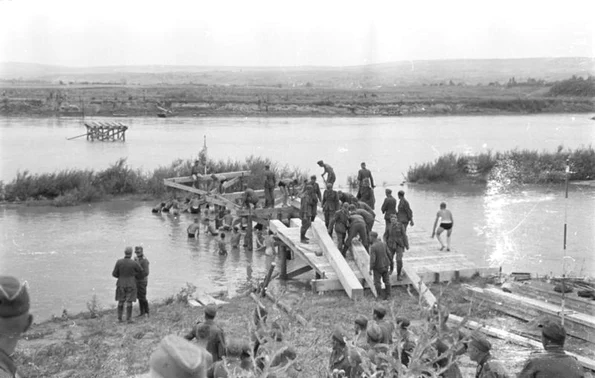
x,y
518,166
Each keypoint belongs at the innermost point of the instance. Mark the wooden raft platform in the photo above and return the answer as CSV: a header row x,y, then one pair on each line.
x,y
106,131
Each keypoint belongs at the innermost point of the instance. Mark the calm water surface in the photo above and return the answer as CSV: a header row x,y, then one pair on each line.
x,y
67,254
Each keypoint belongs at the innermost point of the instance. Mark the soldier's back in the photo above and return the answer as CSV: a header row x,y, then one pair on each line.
x,y
552,364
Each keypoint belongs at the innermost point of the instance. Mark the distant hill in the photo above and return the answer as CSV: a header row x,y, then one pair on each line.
x,y
401,73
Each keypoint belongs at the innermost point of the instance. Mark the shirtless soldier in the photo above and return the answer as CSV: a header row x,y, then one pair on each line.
x,y
446,223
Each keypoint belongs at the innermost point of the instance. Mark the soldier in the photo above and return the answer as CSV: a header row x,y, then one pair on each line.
x,y
397,242
366,193
330,205
347,197
478,350
249,198
15,320
368,217
552,361
386,327
362,174
316,197
361,335
342,357
446,223
340,223
196,173
202,339
288,188
269,187
380,264
404,213
379,350
365,206
141,283
357,227
305,213
330,172
407,342
233,365
126,271
178,358
216,343
389,206
194,229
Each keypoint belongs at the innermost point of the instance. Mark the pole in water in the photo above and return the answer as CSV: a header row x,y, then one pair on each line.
x,y
565,233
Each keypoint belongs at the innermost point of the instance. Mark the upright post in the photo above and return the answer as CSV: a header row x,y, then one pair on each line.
x,y
283,250
248,237
565,232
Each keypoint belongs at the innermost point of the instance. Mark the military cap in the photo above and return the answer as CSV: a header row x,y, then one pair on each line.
x,y
313,177
320,162
329,184
380,310
362,321
374,332
138,248
211,310
176,357
128,251
480,342
389,191
14,297
338,335
553,330
234,347
401,193
373,234
404,322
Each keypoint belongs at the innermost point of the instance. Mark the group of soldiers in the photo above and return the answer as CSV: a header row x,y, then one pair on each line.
x,y
132,279
379,347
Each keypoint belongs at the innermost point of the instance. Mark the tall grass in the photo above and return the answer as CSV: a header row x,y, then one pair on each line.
x,y
72,186
518,166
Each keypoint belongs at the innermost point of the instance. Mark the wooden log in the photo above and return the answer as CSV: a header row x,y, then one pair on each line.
x,y
420,286
572,301
229,183
227,175
268,213
352,286
283,262
287,309
362,260
209,198
298,271
517,339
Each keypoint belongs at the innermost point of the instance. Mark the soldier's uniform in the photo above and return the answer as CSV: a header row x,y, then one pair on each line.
x,y
380,265
250,198
553,360
344,358
141,283
347,197
396,242
366,195
368,218
234,365
386,327
269,188
357,226
330,205
340,223
216,339
126,271
389,207
306,213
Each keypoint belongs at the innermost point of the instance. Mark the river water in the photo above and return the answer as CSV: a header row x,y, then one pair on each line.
x,y
67,254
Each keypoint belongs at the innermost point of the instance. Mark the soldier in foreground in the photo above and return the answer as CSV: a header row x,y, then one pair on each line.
x,y
340,223
379,264
177,358
404,212
216,343
330,205
233,365
343,358
478,350
14,321
306,213
361,337
126,271
396,242
142,281
386,326
357,227
552,361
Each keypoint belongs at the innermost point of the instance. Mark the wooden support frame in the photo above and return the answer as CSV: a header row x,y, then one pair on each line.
x,y
298,271
351,284
210,198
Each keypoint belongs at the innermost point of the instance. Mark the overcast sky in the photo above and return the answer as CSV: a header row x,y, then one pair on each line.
x,y
290,33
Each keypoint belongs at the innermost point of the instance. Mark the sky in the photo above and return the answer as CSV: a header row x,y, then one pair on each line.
x,y
290,33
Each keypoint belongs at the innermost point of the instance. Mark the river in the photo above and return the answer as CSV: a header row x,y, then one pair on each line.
x,y
67,254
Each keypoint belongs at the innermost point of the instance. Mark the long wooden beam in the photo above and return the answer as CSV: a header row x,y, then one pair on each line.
x,y
362,260
227,175
350,283
419,285
269,213
571,301
278,227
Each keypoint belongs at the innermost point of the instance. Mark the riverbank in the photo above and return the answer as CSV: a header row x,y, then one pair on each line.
x,y
93,343
509,168
273,101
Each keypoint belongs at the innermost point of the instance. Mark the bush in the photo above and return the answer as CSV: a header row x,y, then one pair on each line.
x,y
575,86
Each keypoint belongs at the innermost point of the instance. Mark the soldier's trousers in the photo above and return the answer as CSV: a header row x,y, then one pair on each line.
x,y
141,289
378,274
341,242
306,223
355,230
269,197
328,215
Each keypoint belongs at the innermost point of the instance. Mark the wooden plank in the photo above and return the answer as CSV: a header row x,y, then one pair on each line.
x,y
350,283
281,230
517,339
362,260
208,197
420,286
268,213
572,301
299,271
227,175
231,182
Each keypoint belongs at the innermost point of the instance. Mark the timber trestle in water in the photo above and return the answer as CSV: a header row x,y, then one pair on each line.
x,y
106,131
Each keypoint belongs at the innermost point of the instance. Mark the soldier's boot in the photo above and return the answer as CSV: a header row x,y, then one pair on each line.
x,y
399,269
129,312
141,307
120,311
146,307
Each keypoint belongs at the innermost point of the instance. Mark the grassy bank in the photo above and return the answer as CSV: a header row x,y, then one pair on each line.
x,y
187,100
75,186
515,166
93,344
